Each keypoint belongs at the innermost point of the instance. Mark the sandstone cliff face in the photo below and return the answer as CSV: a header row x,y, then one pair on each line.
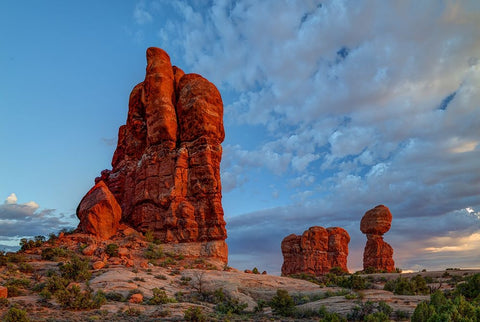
x,y
377,254
316,251
166,168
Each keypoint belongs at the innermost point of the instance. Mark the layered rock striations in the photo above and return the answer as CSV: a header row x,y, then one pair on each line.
x,y
316,251
377,254
166,167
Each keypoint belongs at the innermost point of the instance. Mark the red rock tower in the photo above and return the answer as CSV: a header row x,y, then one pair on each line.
x,y
378,254
316,251
166,168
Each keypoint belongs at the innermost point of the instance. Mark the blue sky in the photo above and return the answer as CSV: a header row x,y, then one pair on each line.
x,y
331,108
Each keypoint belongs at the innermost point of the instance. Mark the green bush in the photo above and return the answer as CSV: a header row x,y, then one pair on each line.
x,y
114,296
55,283
15,314
227,304
377,317
440,308
53,253
194,314
153,252
354,281
73,298
403,286
112,250
471,288
160,297
76,269
255,271
282,303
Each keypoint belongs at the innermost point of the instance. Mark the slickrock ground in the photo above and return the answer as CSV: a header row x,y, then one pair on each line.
x,y
137,269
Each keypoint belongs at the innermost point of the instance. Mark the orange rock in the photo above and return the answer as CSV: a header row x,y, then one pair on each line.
x,y
115,260
377,254
89,250
98,265
99,212
129,263
316,252
123,252
166,167
248,271
376,221
136,298
144,264
3,292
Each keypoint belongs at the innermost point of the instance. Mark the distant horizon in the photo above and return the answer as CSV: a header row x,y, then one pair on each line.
x,y
330,108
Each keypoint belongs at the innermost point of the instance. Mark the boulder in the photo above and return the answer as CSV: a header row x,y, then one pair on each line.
x,y
99,212
3,292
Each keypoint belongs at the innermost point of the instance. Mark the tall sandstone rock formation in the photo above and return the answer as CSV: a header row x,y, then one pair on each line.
x,y
166,168
316,251
377,254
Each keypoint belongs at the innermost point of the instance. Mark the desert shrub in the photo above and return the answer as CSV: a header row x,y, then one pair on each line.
x,y
308,277
354,281
359,312
25,268
282,303
440,308
227,304
168,262
255,271
53,253
55,283
14,314
194,314
160,297
112,250
338,271
404,286
377,317
114,296
73,298
149,236
132,311
163,277
76,269
321,313
20,282
4,302
153,252
15,258
402,315
385,308
471,288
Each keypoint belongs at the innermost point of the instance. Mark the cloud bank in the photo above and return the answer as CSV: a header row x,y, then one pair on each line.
x,y
20,220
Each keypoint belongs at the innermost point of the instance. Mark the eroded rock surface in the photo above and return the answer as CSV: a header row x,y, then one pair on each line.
x,y
166,167
316,251
377,254
99,212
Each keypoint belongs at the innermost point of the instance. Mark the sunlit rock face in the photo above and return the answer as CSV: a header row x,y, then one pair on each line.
x,y
166,167
316,251
378,254
99,212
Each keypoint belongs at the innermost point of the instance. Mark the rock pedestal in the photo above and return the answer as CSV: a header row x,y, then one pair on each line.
x,y
378,254
166,167
316,251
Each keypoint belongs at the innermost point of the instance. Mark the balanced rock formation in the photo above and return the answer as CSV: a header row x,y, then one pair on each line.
x,y
166,167
99,212
316,251
378,254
